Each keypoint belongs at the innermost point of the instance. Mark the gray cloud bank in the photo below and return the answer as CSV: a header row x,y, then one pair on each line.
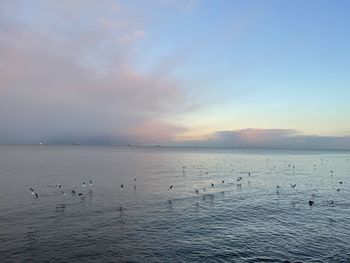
x,y
66,76
271,138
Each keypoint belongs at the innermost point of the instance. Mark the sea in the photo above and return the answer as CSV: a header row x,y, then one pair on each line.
x,y
173,204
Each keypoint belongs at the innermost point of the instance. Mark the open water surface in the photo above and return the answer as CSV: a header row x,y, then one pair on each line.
x,y
145,221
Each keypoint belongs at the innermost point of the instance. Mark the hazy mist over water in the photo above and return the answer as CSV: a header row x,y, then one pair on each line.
x,y
145,221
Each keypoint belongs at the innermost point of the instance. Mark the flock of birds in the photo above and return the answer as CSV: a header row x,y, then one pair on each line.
x,y
311,202
239,179
58,187
75,192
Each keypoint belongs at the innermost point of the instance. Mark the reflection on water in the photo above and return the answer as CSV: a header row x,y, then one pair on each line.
x,y
30,241
189,205
60,208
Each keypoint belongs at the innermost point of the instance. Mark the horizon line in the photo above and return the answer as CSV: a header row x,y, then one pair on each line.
x,y
177,146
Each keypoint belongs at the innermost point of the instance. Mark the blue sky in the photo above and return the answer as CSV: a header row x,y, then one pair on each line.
x,y
287,60
174,71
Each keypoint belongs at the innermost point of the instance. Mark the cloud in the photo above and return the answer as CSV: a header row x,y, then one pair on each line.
x,y
185,5
62,84
270,138
146,133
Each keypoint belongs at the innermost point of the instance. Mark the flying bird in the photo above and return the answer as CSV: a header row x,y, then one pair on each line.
x,y
36,196
293,185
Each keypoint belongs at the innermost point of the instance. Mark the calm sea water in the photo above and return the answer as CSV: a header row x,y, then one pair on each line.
x,y
145,221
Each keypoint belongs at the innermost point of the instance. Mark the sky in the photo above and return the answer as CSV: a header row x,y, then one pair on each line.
x,y
231,73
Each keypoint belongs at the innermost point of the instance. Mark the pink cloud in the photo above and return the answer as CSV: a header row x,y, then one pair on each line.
x,y
81,85
155,131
